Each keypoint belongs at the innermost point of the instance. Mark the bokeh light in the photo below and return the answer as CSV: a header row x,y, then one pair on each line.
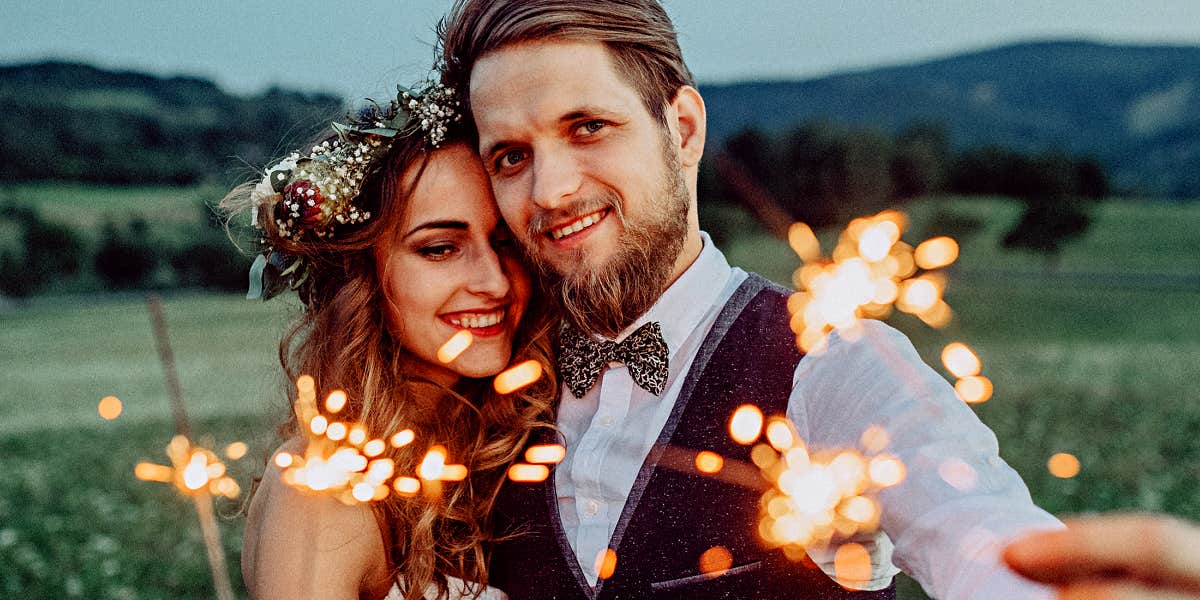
x,y
109,408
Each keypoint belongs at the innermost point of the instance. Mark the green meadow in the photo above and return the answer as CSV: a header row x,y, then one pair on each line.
x,y
1096,353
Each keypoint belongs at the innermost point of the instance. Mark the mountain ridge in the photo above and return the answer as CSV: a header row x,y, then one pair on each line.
x,y
1134,107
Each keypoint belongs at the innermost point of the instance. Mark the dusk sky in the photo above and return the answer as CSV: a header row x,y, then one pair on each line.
x,y
248,45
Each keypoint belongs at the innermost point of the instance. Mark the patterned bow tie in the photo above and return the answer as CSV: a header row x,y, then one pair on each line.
x,y
645,353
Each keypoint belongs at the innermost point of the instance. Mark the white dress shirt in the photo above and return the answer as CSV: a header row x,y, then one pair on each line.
x,y
944,524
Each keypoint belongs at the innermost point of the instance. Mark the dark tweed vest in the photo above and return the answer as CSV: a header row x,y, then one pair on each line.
x,y
675,514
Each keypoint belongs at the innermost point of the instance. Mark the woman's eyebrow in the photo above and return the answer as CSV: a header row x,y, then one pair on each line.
x,y
438,225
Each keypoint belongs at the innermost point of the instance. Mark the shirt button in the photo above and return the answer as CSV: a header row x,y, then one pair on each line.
x,y
592,508
606,420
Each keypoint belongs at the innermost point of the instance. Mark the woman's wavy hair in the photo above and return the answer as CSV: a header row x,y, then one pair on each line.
x,y
343,340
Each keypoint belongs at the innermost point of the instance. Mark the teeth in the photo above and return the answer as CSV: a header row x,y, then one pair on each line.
x,y
478,321
575,227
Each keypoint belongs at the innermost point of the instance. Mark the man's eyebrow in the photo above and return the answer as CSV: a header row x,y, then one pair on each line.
x,y
438,225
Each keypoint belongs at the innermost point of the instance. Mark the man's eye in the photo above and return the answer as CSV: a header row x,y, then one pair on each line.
x,y
590,127
510,159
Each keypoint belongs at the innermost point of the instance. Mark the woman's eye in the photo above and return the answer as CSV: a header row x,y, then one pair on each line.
x,y
438,251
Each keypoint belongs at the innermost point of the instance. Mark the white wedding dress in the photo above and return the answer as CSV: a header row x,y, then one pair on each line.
x,y
457,592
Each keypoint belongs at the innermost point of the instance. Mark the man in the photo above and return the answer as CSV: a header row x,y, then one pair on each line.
x,y
592,131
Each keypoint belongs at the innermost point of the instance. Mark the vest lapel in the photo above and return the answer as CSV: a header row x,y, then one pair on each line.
x,y
741,297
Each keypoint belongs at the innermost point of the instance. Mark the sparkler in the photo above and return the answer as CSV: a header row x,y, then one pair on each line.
x,y
812,497
341,459
195,471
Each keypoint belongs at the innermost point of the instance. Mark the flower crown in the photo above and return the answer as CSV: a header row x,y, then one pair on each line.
x,y
310,195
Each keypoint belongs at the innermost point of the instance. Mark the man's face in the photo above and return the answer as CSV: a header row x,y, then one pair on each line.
x,y
584,175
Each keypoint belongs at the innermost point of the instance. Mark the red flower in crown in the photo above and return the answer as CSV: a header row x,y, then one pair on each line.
x,y
303,200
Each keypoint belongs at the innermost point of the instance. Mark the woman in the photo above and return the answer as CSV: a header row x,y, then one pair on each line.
x,y
389,233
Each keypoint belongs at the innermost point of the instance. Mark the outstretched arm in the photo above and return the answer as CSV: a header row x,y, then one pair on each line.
x,y
1116,556
959,503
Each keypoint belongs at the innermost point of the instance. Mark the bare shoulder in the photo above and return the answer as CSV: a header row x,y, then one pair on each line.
x,y
304,545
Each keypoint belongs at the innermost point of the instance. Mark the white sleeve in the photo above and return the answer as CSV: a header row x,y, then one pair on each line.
x,y
959,502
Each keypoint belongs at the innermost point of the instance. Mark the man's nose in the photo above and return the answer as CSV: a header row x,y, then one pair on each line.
x,y
556,177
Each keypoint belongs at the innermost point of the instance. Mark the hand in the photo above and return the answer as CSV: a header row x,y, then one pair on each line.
x,y
1114,557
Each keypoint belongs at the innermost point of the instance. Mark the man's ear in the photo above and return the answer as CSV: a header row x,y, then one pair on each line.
x,y
688,111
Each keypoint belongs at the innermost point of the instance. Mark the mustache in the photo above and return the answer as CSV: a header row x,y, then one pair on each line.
x,y
543,221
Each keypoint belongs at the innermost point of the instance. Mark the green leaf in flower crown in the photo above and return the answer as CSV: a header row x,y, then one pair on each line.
x,y
381,132
280,179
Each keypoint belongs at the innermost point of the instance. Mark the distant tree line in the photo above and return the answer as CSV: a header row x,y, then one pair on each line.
x,y
68,121
825,174
43,255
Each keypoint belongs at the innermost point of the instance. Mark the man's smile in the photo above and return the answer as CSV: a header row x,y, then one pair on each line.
x,y
577,225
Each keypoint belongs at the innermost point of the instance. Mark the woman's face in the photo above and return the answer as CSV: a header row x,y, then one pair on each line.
x,y
452,264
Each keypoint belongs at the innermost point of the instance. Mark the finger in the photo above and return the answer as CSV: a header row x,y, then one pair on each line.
x,y
1120,591
1142,546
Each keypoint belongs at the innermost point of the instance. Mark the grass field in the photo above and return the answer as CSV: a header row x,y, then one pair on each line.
x,y
1104,368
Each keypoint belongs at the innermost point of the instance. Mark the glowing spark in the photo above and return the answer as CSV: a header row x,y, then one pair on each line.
x,y
284,460
518,377
936,253
357,435
336,431
974,389
715,561
305,384
109,408
363,492
402,439
374,448
875,439
804,242
453,473
886,471
852,565
151,472
526,473
318,425
236,450
917,296
195,474
709,462
1063,465
779,434
456,345
433,464
407,486
877,240
938,315
746,424
960,360
859,509
336,401
545,454
606,563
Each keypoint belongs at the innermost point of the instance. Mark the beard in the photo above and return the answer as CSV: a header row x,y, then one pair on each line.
x,y
605,299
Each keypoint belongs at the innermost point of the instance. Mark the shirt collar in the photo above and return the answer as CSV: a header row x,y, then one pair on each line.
x,y
683,305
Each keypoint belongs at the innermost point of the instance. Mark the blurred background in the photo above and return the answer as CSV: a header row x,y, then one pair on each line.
x,y
1059,143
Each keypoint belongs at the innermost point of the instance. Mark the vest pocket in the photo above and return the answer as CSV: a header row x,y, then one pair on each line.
x,y
671,584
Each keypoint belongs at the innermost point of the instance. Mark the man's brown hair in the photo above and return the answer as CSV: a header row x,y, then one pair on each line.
x,y
638,34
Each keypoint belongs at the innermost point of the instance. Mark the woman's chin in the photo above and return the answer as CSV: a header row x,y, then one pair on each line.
x,y
480,367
